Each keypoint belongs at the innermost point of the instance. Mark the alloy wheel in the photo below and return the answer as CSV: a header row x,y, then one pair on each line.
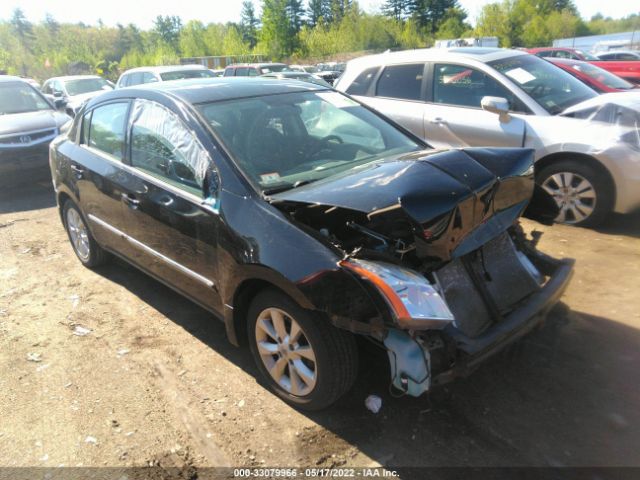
x,y
78,234
574,195
285,352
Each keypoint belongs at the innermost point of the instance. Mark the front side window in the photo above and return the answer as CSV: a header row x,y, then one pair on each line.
x,y
162,146
551,87
148,77
20,97
361,84
401,81
465,87
135,79
106,131
242,72
282,141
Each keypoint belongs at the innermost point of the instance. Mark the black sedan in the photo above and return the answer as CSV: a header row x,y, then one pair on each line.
x,y
28,123
302,219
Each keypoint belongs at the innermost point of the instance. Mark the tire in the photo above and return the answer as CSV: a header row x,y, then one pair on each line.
x,y
592,202
336,356
84,245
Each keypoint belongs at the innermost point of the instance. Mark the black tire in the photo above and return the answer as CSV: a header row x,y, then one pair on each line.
x,y
336,353
96,255
604,192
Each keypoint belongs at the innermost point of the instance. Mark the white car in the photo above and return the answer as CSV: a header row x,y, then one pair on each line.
x,y
142,75
587,147
74,91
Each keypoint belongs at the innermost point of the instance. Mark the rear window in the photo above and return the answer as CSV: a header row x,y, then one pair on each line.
x,y
401,81
361,84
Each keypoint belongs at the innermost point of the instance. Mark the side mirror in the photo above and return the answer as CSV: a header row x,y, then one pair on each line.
x,y
59,103
497,105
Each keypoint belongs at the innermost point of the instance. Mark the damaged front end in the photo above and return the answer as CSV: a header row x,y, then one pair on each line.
x,y
436,236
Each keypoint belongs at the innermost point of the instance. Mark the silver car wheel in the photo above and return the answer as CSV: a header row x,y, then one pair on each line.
x,y
285,352
574,195
78,234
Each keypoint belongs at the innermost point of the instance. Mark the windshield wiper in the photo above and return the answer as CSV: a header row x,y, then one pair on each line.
x,y
284,188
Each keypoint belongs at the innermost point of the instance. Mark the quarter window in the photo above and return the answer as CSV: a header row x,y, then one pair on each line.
x,y
107,128
401,81
162,146
361,84
465,87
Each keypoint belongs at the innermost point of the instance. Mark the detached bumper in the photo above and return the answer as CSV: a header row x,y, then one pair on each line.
x,y
517,324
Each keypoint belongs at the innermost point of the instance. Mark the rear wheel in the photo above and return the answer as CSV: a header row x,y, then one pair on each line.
x,y
305,360
84,245
583,194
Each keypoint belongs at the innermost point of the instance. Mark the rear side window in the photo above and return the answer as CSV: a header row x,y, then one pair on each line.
x,y
228,72
107,127
242,72
361,84
626,56
401,81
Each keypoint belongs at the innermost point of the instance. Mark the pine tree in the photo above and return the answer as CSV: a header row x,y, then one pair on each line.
x,y
397,9
318,9
249,23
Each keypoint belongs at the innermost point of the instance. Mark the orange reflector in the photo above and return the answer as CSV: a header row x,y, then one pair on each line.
x,y
392,297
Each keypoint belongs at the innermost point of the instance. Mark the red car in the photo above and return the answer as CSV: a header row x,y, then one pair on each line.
x,y
627,69
597,78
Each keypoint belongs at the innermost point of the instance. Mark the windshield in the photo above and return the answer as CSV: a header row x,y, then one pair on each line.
x,y
20,98
86,85
182,74
602,76
282,141
550,86
587,56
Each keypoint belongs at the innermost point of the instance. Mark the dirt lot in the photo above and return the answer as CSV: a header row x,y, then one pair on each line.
x,y
112,368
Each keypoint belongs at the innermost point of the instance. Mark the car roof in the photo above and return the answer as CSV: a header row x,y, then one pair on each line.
x,y
480,54
73,77
609,52
566,61
11,78
267,64
166,68
205,90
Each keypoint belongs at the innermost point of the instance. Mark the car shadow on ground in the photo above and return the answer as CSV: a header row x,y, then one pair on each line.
x,y
619,224
566,395
22,198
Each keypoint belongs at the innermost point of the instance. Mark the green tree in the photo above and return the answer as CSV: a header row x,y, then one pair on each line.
x,y
430,13
318,10
396,9
275,33
453,25
192,42
249,23
167,28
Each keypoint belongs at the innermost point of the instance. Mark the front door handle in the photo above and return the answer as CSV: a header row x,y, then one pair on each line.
x,y
438,121
130,200
79,171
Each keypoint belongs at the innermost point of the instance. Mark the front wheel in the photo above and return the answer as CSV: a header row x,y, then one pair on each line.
x,y
306,361
583,194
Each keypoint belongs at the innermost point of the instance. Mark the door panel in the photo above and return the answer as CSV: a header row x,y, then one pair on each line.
x,y
407,113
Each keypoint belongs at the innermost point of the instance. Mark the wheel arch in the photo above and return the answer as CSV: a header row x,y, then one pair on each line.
x,y
583,157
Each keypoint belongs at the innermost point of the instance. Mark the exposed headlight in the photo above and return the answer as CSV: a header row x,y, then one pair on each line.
x,y
415,302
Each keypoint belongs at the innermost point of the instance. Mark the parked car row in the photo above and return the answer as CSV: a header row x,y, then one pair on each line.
x,y
305,216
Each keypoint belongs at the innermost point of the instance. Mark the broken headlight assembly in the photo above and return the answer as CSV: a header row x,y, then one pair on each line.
x,y
414,302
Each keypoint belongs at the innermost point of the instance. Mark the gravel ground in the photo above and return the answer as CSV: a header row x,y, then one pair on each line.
x,y
109,367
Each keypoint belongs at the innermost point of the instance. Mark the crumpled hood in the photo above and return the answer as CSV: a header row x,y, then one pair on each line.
x,y
31,121
622,99
451,198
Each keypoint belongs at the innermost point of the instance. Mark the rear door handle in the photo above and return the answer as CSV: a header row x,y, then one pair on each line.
x,y
130,200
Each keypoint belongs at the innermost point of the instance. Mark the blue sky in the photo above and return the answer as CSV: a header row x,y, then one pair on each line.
x,y
142,12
